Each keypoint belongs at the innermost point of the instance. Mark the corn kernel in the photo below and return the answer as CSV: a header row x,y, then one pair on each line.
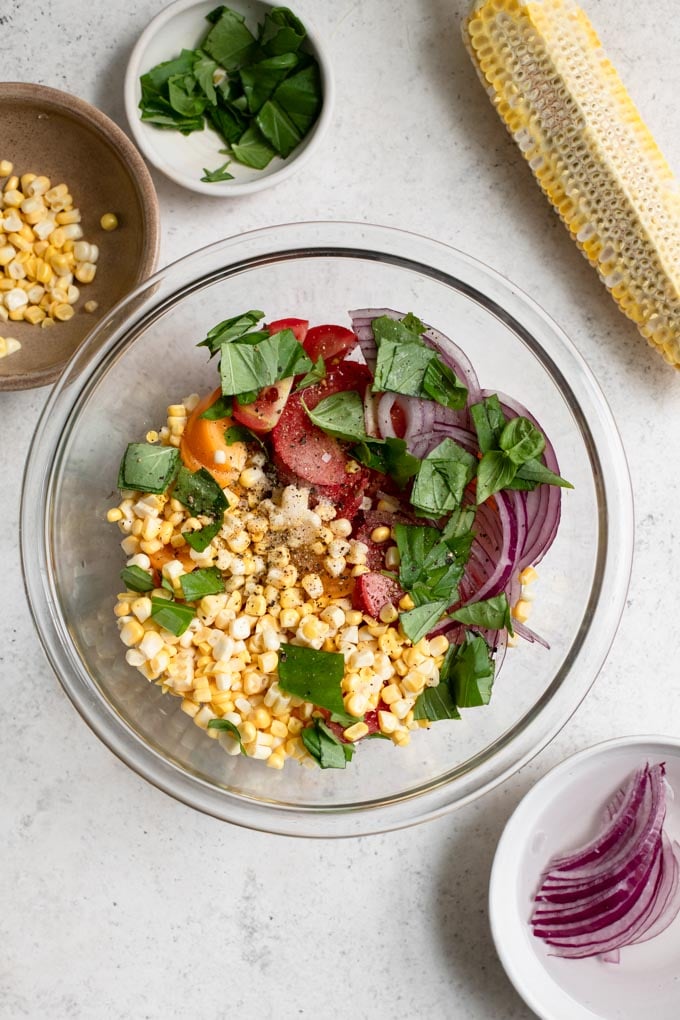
x,y
406,603
356,731
109,221
521,611
6,167
528,576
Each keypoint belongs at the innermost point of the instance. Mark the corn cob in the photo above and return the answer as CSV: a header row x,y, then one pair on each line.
x,y
566,107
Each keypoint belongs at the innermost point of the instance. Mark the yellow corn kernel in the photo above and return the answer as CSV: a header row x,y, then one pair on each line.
x,y
131,633
67,216
528,576
276,759
563,102
47,323
380,534
289,618
439,645
388,613
6,167
406,603
356,704
109,221
387,722
85,272
261,719
356,731
521,611
190,707
34,315
401,738
63,312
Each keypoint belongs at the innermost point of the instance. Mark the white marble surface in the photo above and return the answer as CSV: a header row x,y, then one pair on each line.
x,y
117,901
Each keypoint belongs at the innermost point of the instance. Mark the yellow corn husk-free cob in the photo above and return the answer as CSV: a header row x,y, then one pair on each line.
x,y
566,107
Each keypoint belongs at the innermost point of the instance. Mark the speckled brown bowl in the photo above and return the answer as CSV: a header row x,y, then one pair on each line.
x,y
45,131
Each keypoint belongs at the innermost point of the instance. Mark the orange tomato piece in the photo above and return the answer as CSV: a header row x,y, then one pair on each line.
x,y
203,438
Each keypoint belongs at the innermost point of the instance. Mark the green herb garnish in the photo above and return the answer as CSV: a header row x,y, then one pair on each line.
x,y
407,365
171,615
436,703
312,675
200,493
323,745
201,539
220,174
468,669
221,408
316,374
490,614
199,583
146,468
241,434
137,579
230,330
265,102
247,367
389,456
225,726
442,478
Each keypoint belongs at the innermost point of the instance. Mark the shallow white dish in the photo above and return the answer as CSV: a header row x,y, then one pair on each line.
x,y
182,25
560,813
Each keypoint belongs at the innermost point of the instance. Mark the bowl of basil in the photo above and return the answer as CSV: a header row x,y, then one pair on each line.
x,y
228,100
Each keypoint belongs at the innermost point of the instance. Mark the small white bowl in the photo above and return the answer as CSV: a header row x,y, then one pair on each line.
x,y
182,158
559,813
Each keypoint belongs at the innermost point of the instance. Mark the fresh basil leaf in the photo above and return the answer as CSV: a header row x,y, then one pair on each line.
x,y
468,669
414,324
147,468
229,123
340,415
435,703
252,149
137,579
278,128
221,408
316,374
281,32
343,719
183,99
442,385
494,471
220,174
201,539
489,422
230,330
312,675
490,614
414,542
204,69
534,471
404,363
167,585
300,95
157,78
200,493
521,440
171,615
389,456
251,366
323,745
241,434
259,80
457,534
229,41
442,478
419,621
199,583
225,726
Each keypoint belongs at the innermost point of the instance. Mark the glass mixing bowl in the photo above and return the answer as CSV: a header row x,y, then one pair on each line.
x,y
143,356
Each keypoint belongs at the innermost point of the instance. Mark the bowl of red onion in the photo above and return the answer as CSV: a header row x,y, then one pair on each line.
x,y
498,411
585,887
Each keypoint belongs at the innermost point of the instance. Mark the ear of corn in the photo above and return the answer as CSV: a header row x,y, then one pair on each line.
x,y
565,106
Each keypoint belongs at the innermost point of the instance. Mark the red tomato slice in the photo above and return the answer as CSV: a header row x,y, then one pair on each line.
x,y
297,326
263,414
398,420
332,343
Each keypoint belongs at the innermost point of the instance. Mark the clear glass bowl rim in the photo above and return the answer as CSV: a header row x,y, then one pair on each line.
x,y
557,354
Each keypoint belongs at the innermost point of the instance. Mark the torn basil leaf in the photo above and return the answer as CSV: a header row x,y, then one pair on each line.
x,y
468,669
147,468
199,583
136,579
200,493
435,703
201,539
323,745
489,614
171,615
225,726
442,477
312,675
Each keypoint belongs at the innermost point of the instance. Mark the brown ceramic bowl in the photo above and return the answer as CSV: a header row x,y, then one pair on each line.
x,y
45,131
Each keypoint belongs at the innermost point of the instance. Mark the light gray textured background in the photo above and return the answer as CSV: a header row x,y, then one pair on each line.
x,y
115,901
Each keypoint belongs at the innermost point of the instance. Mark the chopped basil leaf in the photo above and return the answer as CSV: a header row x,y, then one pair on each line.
x,y
201,539
323,745
534,471
489,421
147,468
278,128
414,324
230,330
167,585
435,703
281,31
494,472
441,479
490,614
521,440
340,415
220,174
200,493
389,456
249,367
241,434
137,579
312,675
226,727
419,621
200,583
405,364
220,409
204,69
229,41
468,669
260,79
316,374
300,96
171,615
414,542
253,149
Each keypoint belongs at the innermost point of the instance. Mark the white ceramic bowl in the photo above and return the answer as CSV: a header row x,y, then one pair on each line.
x,y
559,813
182,25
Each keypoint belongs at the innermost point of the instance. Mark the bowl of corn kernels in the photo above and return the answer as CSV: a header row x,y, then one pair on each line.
x,y
73,241
227,529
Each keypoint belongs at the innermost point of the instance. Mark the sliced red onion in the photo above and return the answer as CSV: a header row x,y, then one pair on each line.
x,y
371,405
527,634
621,887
